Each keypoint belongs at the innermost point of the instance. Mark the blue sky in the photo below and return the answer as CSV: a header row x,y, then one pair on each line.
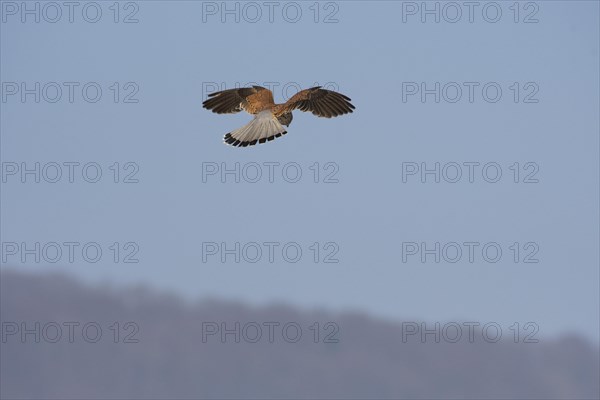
x,y
178,48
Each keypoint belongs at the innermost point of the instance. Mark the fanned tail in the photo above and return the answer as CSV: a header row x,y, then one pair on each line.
x,y
263,128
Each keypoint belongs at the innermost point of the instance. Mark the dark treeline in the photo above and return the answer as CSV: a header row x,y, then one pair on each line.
x,y
62,339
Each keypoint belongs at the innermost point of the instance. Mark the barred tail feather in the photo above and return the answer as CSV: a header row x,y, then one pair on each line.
x,y
264,127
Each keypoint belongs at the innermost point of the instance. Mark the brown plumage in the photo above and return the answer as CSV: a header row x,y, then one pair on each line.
x,y
269,117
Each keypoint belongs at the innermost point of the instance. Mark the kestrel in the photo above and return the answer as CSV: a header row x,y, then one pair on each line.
x,y
269,117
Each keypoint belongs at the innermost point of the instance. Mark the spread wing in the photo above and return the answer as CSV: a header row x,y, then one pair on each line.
x,y
321,102
252,100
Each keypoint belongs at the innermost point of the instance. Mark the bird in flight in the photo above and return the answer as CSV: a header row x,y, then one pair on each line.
x,y
269,117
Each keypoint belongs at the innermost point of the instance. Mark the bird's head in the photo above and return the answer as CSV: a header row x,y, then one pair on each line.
x,y
285,119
